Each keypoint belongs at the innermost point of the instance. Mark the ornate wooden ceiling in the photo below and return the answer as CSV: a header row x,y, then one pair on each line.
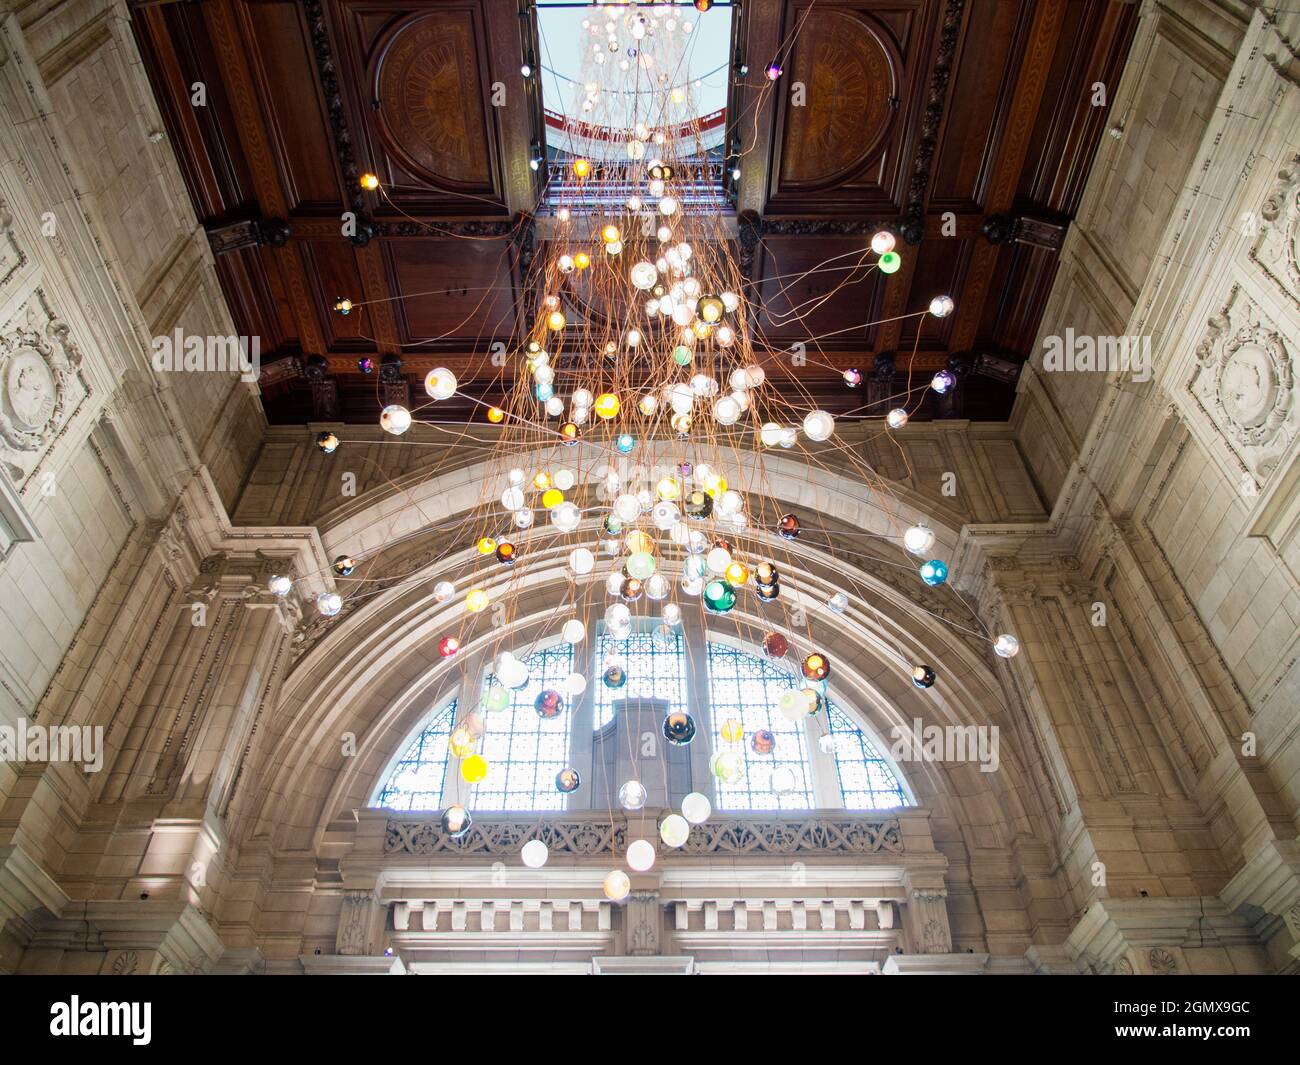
x,y
966,126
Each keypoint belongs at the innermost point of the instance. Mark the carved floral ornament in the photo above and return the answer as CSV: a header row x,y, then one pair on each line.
x,y
1277,249
1245,383
40,384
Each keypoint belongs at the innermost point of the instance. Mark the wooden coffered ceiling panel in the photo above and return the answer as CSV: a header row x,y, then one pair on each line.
x,y
968,127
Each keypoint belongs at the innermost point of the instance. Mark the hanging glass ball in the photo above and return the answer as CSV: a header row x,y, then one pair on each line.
x,y
625,443
788,526
882,241
613,525
784,780
549,704
1006,646
674,830
395,419
455,821
934,572
839,602
896,418
474,769
679,728
698,504
918,539
327,442
816,666
506,553
615,677
941,306
890,262
766,573
942,382
775,645
682,355
344,565
719,596
853,377
280,586
329,603
762,742
617,885
567,781
631,589
496,698
657,587
574,631
534,853
448,646
923,676
641,564
818,425
632,795
640,855
728,766
462,741
732,730
696,808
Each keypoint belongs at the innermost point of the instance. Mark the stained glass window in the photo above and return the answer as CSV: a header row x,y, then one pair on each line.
x,y
866,780
655,664
524,750
746,688
415,781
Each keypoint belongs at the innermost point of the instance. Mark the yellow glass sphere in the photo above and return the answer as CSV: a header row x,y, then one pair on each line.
x,y
681,423
732,730
463,742
715,484
607,405
495,415
582,260
701,329
555,321
477,600
474,768
369,182
581,168
637,541
610,234
668,489
486,546
542,480
737,573
552,497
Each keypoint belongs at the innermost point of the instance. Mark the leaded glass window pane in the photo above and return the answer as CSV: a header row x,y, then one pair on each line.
x,y
525,751
415,782
655,666
867,782
747,688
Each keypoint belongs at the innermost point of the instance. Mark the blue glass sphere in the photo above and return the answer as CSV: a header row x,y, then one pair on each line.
x,y
934,572
625,443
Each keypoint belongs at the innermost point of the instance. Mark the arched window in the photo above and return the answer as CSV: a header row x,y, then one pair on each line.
x,y
414,781
823,761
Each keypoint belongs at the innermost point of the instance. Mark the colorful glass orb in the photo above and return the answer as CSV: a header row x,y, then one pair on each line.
x,y
343,305
607,405
448,646
369,182
703,5
737,573
625,443
768,593
814,701
698,504
486,545
641,564
327,442
816,666
615,677
728,766
581,168
890,262
679,728
732,730
943,382
474,769
395,419
541,480
896,418
506,553
681,424
496,698
853,378
719,596
455,821
674,830
788,526
477,600
555,321
582,260
631,589
344,564
632,795
610,234
775,645
569,434
766,573
552,497
923,676
567,781
682,355
638,542
462,741
710,308
934,572
549,704
762,742
613,524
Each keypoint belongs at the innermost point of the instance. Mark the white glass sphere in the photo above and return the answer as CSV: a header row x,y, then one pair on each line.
x,y
941,306
657,586
919,539
512,498
1006,645
395,419
574,631
564,480
627,507
617,885
555,406
674,830
581,561
640,855
329,603
665,515
718,560
575,684
896,418
618,616
440,383
544,375
516,476
648,404
667,205
730,301
280,586
696,808
818,425
882,242
644,275
632,795
443,590
566,517
672,613
783,780
681,398
534,853
771,434
692,585
704,385
614,582
730,503
523,519
581,398
726,411
839,602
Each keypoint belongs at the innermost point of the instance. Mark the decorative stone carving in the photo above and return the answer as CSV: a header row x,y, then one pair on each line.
x,y
823,835
354,922
1162,962
1277,250
1245,384
643,923
127,963
40,385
